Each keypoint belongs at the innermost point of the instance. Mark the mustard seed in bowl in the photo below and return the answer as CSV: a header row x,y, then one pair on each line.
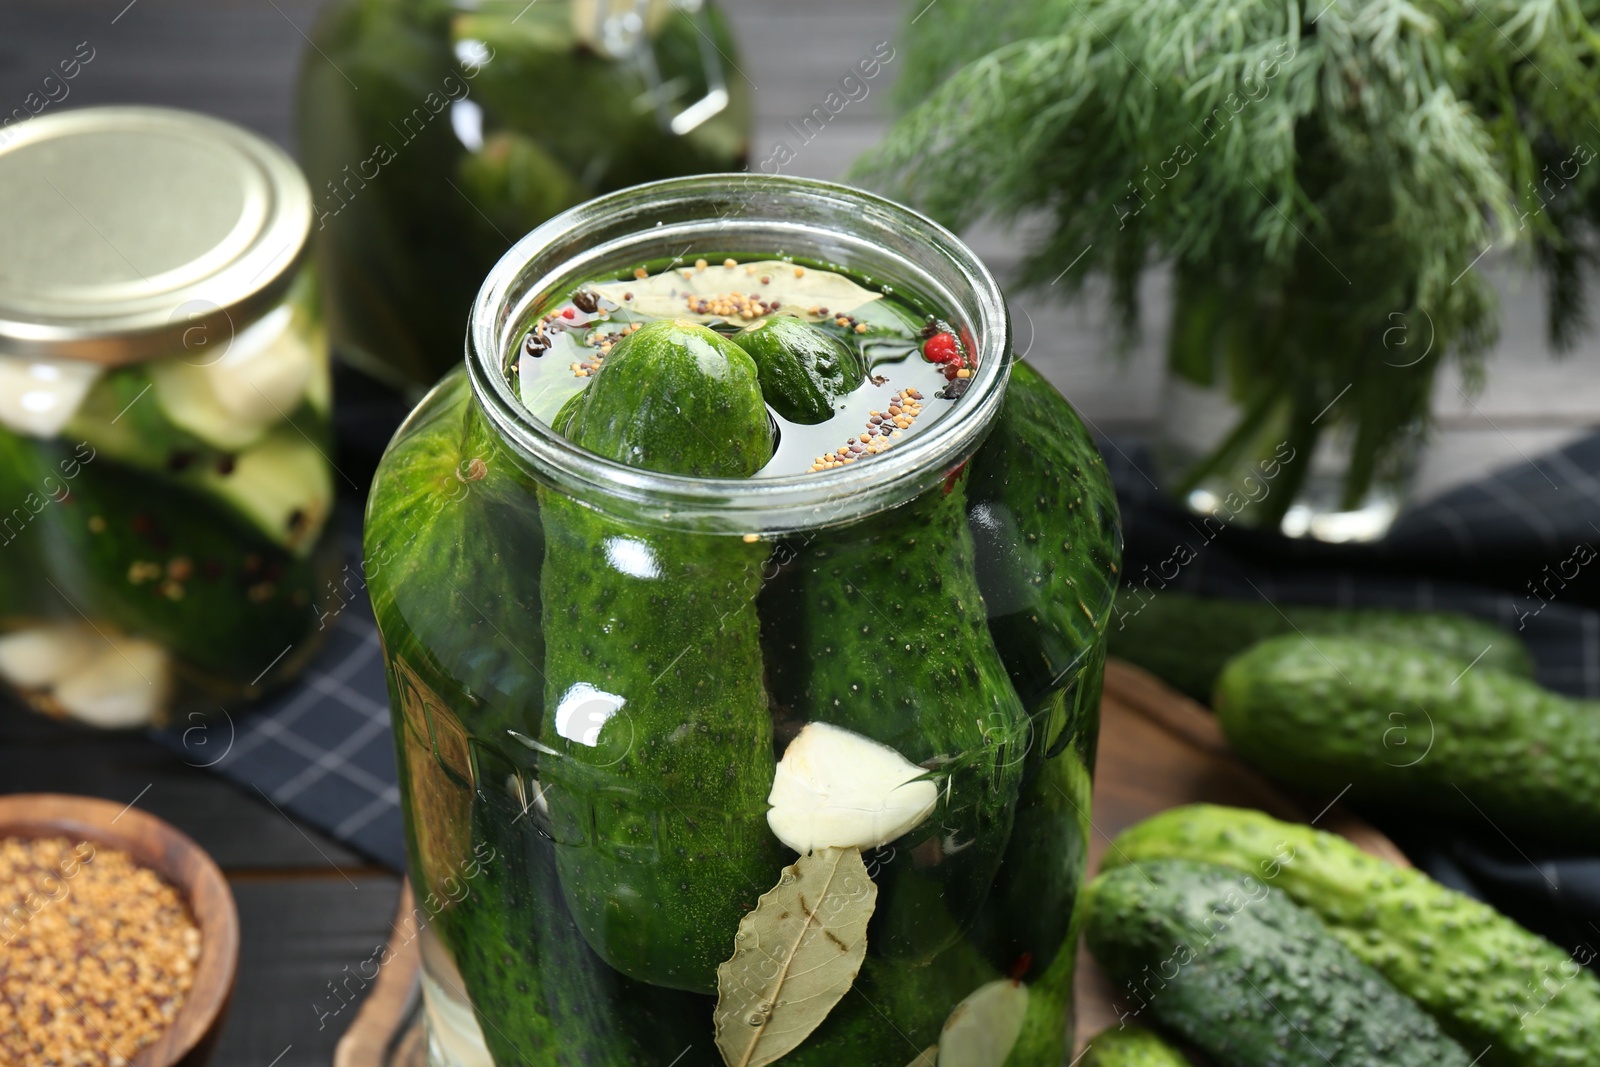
x,y
96,954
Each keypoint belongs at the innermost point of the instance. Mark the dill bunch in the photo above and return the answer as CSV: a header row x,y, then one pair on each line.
x,y
1316,175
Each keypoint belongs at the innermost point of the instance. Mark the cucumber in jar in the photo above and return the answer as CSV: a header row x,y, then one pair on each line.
x,y
166,563
543,997
451,515
657,730
879,628
1049,540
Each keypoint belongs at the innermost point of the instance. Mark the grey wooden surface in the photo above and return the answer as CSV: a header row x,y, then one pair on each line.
x,y
310,908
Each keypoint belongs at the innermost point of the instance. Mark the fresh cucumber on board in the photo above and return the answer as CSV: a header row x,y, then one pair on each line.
x,y
1185,640
655,712
1249,977
1048,536
1131,1046
1419,728
1490,983
879,628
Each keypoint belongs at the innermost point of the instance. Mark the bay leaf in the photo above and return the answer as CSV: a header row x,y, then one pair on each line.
x,y
983,1029
795,956
666,295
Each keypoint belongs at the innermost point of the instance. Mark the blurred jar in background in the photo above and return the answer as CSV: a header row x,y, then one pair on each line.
x,y
164,416
437,132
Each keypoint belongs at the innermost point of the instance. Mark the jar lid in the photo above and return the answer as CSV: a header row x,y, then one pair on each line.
x,y
133,232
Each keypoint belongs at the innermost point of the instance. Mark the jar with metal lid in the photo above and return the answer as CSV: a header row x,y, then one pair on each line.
x,y
742,579
165,486
437,132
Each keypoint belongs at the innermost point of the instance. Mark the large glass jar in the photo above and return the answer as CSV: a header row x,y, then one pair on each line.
x,y
164,419
596,672
437,132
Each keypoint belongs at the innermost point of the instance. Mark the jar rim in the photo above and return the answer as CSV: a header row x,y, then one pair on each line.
x,y
808,218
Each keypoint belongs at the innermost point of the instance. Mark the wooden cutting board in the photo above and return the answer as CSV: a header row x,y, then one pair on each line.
x,y
1158,750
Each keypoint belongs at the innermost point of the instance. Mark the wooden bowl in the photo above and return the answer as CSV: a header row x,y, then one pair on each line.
x,y
183,864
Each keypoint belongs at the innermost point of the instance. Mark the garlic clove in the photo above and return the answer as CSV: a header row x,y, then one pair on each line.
x,y
125,684
43,655
835,788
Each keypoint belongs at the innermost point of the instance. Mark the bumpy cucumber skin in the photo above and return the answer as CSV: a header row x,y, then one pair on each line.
x,y
1419,728
880,629
1131,1046
521,947
462,675
662,813
452,543
803,369
1048,534
1256,981
1027,918
542,997
676,397
692,747
1489,982
1185,640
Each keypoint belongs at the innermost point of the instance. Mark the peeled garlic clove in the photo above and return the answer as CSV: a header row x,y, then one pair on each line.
x,y
43,655
125,684
835,788
263,375
39,397
983,1029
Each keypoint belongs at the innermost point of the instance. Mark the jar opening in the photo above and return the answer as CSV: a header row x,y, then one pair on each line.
x,y
754,215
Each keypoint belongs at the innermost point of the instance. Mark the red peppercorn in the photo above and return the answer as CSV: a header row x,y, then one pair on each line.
x,y
941,348
568,313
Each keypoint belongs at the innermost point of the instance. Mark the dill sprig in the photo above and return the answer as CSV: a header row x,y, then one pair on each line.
x,y
1316,175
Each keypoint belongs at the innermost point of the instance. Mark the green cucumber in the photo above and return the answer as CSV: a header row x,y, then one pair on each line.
x,y
804,370
1411,726
1485,979
1131,1046
879,628
1185,640
1239,970
691,400
451,533
1048,536
282,475
656,725
516,182
167,563
542,997
282,485
1028,916
894,1010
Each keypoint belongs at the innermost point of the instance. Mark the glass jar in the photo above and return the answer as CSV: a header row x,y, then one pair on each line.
x,y
437,132
1322,443
164,401
579,879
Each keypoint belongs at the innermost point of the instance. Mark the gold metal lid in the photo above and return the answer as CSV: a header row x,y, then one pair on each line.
x,y
133,232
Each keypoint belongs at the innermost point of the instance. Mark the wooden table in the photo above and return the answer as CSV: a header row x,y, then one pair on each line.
x,y
310,908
